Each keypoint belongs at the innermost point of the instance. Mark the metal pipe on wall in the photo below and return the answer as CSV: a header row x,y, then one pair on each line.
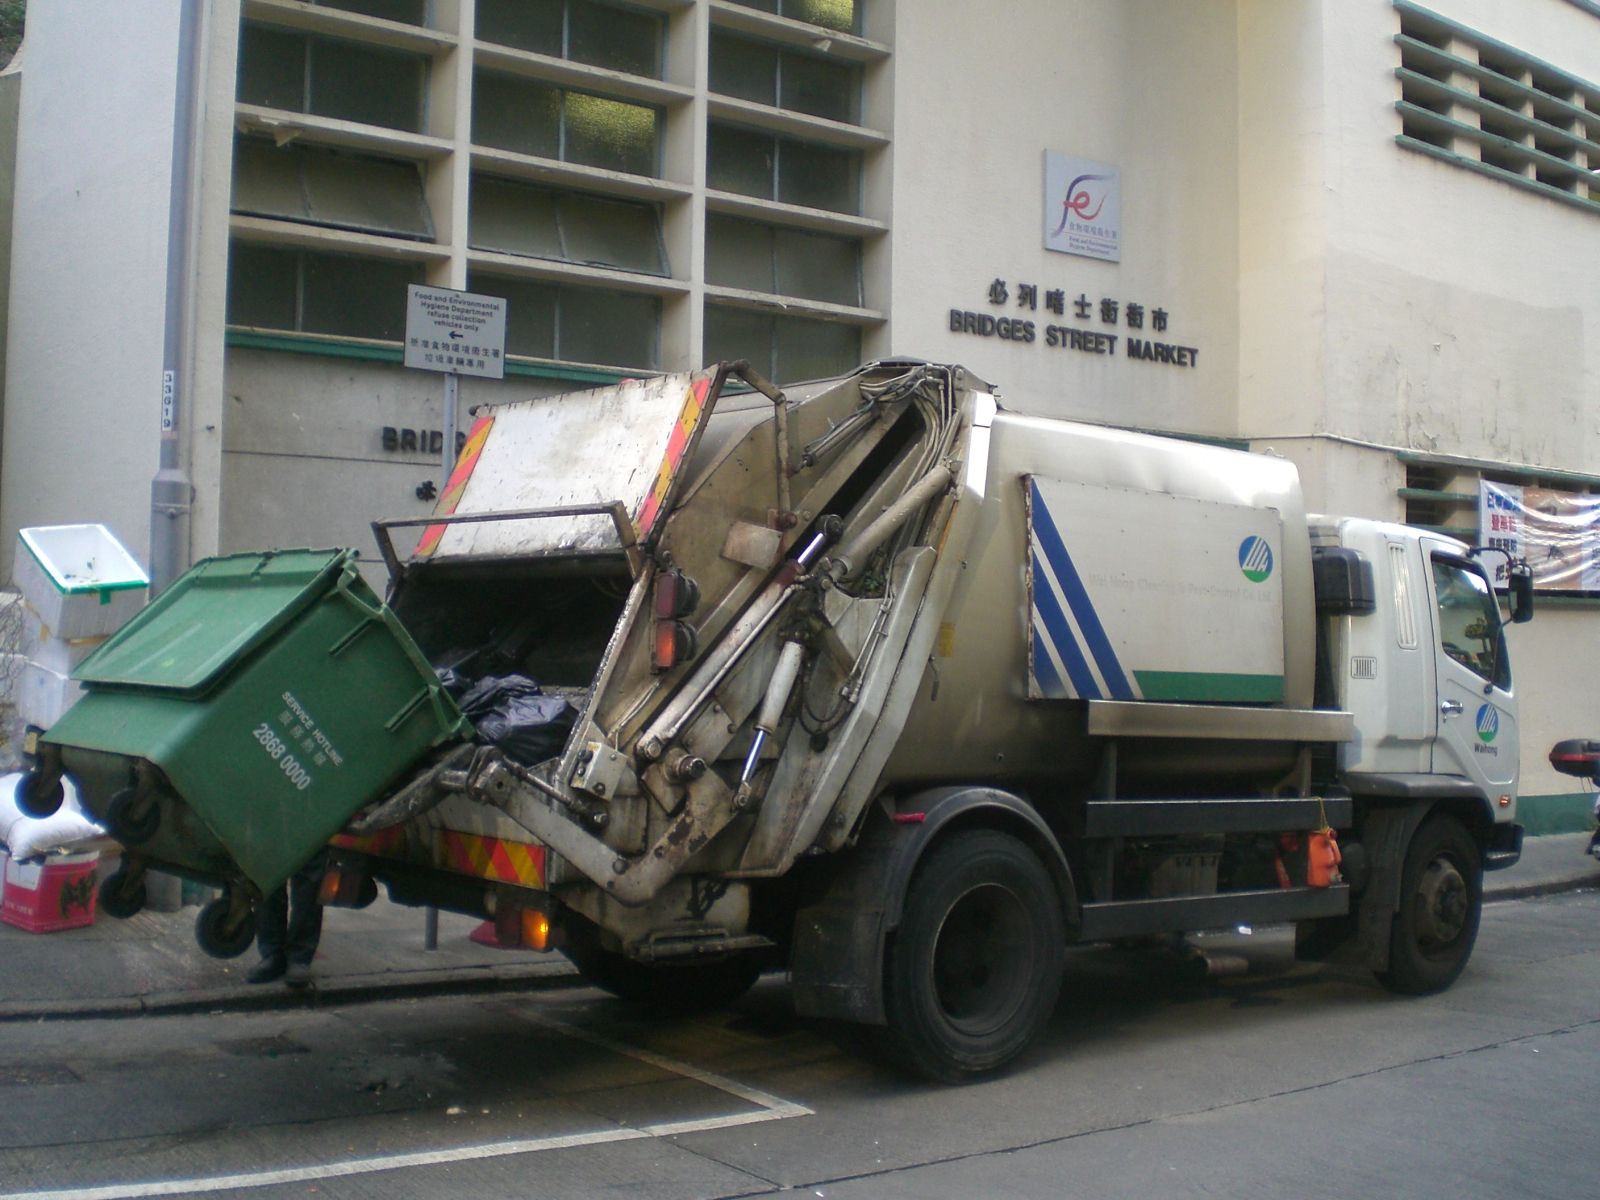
x,y
171,491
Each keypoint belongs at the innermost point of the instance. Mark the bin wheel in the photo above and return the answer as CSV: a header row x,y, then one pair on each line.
x,y
219,938
134,821
121,895
37,800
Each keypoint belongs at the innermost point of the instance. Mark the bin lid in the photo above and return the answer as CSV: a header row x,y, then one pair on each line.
x,y
82,558
213,616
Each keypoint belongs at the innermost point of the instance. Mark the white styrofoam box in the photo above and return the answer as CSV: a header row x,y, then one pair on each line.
x,y
79,579
39,644
43,695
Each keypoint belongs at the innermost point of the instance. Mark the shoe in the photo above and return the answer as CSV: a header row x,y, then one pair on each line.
x,y
298,975
266,971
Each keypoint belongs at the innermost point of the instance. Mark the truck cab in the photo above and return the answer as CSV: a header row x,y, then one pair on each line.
x,y
1424,671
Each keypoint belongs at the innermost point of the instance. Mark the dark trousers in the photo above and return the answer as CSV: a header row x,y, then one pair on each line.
x,y
289,924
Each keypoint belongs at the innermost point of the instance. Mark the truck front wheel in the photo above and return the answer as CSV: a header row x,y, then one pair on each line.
x,y
1441,900
973,971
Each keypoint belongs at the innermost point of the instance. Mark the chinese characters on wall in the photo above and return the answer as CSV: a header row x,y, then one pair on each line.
x,y
1021,312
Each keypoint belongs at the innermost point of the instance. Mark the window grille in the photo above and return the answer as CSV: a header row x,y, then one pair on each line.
x,y
330,188
408,12
783,262
782,78
327,77
1474,101
840,15
600,35
784,348
528,117
516,218
752,163
303,291
576,324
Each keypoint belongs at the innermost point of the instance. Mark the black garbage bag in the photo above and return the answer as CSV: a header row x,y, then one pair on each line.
x,y
513,714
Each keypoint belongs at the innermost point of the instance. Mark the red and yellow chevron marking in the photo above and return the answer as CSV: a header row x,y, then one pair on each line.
x,y
470,453
490,858
694,407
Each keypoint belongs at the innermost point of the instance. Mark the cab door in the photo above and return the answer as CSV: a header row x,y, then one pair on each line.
x,y
1477,733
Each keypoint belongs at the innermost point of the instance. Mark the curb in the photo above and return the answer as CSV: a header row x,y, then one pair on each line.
x,y
357,989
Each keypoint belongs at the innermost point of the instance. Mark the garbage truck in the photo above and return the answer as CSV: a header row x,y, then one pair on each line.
x,y
872,680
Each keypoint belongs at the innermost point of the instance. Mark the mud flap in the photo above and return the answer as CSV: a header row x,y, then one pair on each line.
x,y
1385,834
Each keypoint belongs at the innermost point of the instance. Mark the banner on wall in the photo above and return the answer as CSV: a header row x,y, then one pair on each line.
x,y
1557,532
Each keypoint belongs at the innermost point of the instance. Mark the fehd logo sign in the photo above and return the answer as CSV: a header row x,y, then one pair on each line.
x,y
1082,207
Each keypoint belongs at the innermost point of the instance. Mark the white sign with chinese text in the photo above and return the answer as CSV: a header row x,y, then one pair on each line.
x,y
1557,532
457,332
1082,207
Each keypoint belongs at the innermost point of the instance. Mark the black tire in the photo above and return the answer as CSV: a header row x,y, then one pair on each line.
x,y
216,937
681,988
36,800
974,970
121,896
1441,901
133,821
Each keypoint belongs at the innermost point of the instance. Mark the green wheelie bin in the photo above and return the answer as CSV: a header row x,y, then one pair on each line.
x,y
228,730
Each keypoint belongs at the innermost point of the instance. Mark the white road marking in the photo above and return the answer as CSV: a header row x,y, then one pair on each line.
x,y
767,1108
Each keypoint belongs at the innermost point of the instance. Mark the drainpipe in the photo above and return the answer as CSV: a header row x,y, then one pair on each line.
x,y
171,492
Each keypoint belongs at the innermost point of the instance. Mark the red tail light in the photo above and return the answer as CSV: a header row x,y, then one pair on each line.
x,y
676,595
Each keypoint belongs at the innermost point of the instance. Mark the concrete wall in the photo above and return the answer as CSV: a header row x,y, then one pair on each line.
x,y
304,463
1428,307
84,342
10,102
1144,85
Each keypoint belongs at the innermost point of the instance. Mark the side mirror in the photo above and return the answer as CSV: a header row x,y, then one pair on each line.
x,y
1519,583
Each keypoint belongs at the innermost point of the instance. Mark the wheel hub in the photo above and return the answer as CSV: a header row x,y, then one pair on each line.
x,y
980,960
1443,903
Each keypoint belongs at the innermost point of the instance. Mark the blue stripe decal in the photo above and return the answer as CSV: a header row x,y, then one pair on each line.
x,y
1060,635
1044,669
1078,599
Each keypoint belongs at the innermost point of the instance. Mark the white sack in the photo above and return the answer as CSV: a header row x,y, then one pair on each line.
x,y
69,828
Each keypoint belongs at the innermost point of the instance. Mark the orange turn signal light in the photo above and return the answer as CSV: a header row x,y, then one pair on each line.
x,y
328,890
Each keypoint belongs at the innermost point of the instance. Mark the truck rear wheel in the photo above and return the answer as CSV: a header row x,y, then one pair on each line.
x,y
1441,901
677,987
974,970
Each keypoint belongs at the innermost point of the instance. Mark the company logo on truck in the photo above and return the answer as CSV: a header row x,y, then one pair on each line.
x,y
1488,722
1255,559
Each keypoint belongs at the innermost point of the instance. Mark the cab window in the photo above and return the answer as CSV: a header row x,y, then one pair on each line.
x,y
1469,621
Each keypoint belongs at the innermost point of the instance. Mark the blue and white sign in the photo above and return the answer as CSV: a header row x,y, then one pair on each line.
x,y
1082,207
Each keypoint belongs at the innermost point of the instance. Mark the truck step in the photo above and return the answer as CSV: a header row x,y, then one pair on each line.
x,y
1166,818
1112,919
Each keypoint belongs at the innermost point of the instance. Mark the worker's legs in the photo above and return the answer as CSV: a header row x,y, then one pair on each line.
x,y
272,935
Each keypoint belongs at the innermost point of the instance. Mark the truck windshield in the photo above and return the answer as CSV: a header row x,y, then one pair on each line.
x,y
1469,621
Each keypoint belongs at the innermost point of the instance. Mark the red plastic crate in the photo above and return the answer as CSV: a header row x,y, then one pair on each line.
x,y
43,897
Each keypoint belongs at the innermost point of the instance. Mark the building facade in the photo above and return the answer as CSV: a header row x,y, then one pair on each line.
x,y
1360,234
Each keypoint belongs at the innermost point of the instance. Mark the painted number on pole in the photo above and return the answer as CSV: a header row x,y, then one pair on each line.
x,y
169,400
459,333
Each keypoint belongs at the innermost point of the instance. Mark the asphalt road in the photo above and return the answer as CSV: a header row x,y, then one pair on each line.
x,y
1287,1081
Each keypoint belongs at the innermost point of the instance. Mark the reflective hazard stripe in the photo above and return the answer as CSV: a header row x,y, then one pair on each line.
x,y
495,859
492,858
677,450
457,484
